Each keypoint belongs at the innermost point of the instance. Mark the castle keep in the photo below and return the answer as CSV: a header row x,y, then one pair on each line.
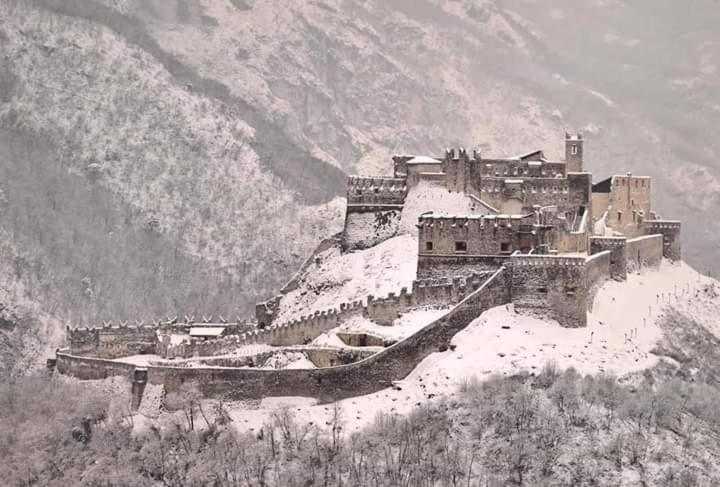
x,y
535,233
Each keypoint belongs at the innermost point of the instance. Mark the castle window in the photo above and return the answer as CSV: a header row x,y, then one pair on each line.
x,y
619,215
460,246
574,149
542,290
376,189
358,191
428,246
505,247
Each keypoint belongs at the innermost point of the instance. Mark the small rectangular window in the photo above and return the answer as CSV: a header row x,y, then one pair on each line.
x,y
428,246
504,247
619,215
574,150
460,246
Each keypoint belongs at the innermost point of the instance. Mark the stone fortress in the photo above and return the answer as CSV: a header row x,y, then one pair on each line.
x,y
526,231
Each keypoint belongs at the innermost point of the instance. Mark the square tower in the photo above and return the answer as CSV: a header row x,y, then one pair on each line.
x,y
574,152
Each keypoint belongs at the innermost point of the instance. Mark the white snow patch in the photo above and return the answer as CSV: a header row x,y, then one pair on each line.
x,y
428,196
337,278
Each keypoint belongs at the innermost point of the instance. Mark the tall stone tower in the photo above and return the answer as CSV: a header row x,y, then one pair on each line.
x,y
574,152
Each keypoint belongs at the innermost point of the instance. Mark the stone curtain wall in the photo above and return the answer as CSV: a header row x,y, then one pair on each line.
x,y
113,341
327,384
483,235
549,285
671,232
618,254
598,269
365,229
644,252
91,368
377,191
444,266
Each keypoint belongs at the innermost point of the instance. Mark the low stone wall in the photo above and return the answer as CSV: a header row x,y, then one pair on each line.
x,y
644,252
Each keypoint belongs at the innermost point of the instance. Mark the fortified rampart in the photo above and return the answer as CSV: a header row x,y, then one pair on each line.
x,y
113,341
598,269
550,285
671,232
375,192
618,255
331,383
373,210
644,252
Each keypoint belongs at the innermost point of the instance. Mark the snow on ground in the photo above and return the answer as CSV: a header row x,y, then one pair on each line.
x,y
428,196
139,360
622,329
403,327
337,278
288,360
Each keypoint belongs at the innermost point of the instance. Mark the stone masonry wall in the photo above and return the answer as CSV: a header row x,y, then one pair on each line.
x,y
328,384
376,191
444,266
365,229
481,235
644,252
91,368
598,269
113,341
551,286
671,232
618,254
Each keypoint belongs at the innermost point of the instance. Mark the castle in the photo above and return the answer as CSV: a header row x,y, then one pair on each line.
x,y
525,230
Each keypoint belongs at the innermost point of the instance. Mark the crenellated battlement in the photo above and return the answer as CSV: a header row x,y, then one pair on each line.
x,y
376,190
546,261
663,224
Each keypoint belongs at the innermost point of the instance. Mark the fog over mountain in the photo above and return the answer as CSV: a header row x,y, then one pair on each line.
x,y
162,157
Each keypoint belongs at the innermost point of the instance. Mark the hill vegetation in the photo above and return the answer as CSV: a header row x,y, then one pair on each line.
x,y
558,428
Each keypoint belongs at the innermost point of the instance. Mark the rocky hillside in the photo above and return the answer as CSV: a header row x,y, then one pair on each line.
x,y
164,156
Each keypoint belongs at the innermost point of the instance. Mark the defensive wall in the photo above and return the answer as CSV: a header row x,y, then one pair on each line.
x,y
374,206
113,341
478,235
598,270
629,255
671,232
555,286
551,286
644,252
618,254
98,342
327,384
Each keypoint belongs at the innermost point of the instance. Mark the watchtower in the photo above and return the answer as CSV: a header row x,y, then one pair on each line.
x,y
574,152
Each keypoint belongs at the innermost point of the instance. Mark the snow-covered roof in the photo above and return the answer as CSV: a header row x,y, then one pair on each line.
x,y
424,160
206,331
